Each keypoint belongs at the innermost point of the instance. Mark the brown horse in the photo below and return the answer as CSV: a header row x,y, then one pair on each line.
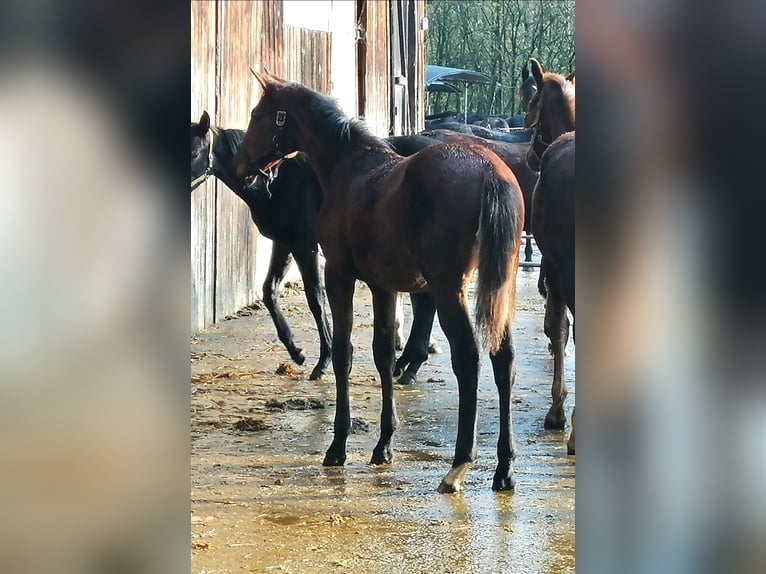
x,y
556,95
417,224
553,218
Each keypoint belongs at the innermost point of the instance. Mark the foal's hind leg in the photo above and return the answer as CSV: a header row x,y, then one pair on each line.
x,y
383,303
417,348
528,249
399,322
340,293
557,329
571,441
505,374
308,264
456,324
280,261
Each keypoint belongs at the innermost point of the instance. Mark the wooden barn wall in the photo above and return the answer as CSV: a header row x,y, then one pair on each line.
x,y
203,76
228,257
375,70
307,57
238,42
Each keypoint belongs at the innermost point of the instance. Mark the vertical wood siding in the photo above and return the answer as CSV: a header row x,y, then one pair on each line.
x,y
202,232
228,258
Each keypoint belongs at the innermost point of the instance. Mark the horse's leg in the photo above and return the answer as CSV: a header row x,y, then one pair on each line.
x,y
383,303
571,441
556,327
417,348
280,261
541,279
528,249
505,373
399,323
456,324
308,264
340,294
430,311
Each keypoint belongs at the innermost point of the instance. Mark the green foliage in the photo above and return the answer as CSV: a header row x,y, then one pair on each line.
x,y
497,37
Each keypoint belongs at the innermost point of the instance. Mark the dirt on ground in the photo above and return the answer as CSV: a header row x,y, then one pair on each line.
x,y
263,502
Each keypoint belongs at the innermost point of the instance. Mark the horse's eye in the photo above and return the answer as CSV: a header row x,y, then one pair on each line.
x,y
195,155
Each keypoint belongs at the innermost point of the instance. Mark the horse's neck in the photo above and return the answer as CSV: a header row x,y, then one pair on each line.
x,y
223,167
325,154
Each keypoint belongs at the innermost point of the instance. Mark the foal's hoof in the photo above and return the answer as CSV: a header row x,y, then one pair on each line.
x,y
298,356
555,421
434,349
334,458
406,379
503,483
382,456
447,488
571,446
318,372
454,480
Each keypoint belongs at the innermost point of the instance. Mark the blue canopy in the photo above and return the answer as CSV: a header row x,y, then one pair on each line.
x,y
443,73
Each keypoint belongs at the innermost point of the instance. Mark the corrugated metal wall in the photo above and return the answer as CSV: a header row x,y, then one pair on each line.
x,y
294,41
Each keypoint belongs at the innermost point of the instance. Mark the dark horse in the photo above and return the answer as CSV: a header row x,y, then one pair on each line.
x,y
552,151
420,224
285,218
285,208
527,89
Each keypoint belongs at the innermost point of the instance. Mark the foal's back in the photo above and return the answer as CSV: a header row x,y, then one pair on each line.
x,y
553,210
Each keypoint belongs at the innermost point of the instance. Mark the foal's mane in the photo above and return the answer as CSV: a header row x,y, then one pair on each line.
x,y
325,116
233,138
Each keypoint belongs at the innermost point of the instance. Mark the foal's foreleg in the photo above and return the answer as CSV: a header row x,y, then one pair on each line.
x,y
280,261
505,373
340,293
383,303
308,264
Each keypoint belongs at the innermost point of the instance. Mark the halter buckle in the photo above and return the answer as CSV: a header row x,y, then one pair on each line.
x,y
281,117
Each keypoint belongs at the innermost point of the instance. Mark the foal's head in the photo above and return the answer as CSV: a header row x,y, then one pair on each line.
x,y
268,139
551,111
201,151
527,90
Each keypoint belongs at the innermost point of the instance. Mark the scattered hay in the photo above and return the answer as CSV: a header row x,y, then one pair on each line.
x,y
288,370
251,425
294,404
216,375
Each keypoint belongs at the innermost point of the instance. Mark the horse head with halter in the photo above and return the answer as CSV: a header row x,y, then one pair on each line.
x,y
536,121
267,162
200,132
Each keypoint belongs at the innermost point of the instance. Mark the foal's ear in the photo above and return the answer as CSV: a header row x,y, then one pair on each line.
x,y
204,122
524,73
537,72
262,79
267,80
571,77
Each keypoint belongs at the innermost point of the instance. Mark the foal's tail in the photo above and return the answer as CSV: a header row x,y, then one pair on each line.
x,y
499,227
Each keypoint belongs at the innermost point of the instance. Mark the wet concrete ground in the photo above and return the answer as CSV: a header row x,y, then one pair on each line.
x,y
262,502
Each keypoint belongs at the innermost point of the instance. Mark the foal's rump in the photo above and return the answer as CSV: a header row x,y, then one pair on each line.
x,y
465,210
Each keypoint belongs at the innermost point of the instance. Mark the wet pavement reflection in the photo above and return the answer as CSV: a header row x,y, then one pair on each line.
x,y
262,502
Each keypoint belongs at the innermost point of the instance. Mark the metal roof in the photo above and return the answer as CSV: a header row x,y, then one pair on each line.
x,y
442,73
442,87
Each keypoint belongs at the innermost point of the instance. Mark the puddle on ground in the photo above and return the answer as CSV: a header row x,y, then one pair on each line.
x,y
262,502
